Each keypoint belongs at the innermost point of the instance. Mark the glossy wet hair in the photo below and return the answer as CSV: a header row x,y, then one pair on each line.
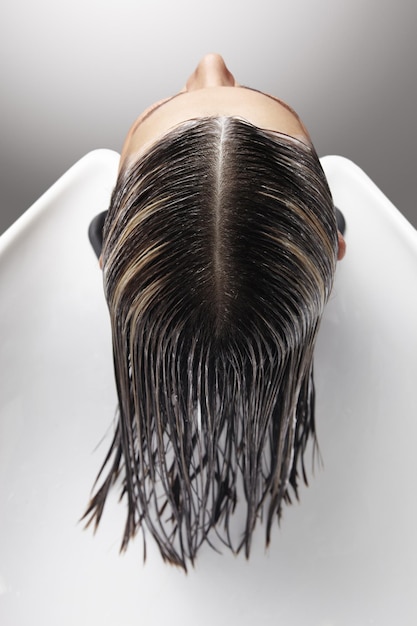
x,y
219,254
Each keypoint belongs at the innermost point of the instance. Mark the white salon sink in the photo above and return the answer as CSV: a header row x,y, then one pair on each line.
x,y
346,554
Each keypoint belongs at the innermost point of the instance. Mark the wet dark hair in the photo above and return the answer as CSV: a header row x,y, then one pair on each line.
x,y
219,255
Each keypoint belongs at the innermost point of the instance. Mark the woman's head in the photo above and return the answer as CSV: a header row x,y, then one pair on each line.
x,y
211,91
219,256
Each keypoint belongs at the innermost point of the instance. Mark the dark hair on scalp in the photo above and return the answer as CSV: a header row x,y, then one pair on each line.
x,y
219,256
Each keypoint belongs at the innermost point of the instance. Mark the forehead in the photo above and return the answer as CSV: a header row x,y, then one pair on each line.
x,y
254,106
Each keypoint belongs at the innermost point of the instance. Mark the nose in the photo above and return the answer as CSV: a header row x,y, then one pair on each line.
x,y
211,72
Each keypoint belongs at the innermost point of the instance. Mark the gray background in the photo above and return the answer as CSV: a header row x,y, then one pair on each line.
x,y
75,74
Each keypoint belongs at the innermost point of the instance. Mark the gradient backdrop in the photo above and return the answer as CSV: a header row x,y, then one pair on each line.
x,y
75,74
